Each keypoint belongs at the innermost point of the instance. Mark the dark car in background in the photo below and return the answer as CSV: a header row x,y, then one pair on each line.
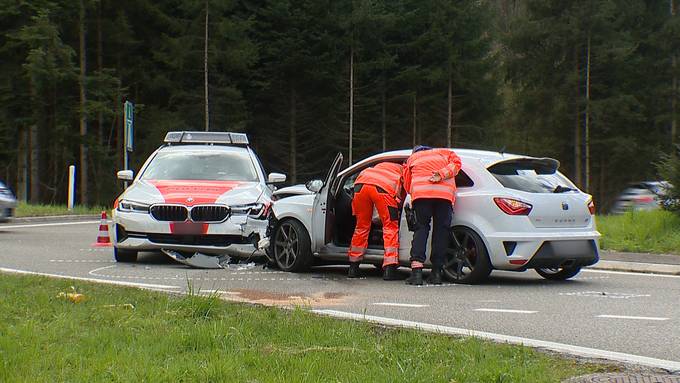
x,y
641,196
7,203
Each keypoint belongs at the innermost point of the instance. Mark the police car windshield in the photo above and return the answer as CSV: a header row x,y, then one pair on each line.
x,y
201,165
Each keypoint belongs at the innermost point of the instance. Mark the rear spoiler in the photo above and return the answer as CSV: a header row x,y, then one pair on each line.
x,y
539,165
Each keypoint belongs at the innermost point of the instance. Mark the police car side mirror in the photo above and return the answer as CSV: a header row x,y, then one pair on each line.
x,y
276,178
125,175
314,186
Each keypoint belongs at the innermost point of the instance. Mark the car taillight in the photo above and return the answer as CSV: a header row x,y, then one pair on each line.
x,y
591,207
513,206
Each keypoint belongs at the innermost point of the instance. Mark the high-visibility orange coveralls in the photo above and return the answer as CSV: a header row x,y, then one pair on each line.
x,y
378,186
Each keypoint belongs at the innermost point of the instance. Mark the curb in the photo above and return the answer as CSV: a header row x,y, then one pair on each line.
x,y
637,267
55,218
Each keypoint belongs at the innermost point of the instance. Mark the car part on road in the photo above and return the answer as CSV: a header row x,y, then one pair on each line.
x,y
559,274
467,260
291,247
198,260
124,256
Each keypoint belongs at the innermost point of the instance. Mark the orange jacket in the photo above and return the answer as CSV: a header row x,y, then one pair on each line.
x,y
420,167
386,175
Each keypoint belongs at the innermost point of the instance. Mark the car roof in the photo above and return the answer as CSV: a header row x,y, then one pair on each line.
x,y
485,156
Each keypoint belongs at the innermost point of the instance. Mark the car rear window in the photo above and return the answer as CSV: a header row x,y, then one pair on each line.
x,y
201,165
532,176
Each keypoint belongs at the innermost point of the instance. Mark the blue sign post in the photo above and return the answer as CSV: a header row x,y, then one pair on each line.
x,y
129,121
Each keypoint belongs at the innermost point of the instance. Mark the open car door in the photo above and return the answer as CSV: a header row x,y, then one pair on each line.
x,y
323,217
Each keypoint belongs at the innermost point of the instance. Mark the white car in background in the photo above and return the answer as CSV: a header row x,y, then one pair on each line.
x,y
199,196
512,212
7,203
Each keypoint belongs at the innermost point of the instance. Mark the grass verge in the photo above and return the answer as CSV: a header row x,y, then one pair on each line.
x,y
193,338
32,210
644,231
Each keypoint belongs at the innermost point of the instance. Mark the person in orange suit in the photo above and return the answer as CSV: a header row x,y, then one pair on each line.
x,y
379,186
429,177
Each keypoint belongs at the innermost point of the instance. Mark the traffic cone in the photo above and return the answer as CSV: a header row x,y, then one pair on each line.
x,y
103,239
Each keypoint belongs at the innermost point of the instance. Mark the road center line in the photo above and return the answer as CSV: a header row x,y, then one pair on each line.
x,y
554,346
631,317
49,224
507,311
399,304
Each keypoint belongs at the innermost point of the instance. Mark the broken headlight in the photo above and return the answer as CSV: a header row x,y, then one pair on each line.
x,y
253,210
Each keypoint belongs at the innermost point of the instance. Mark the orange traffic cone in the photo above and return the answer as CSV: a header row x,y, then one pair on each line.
x,y
103,239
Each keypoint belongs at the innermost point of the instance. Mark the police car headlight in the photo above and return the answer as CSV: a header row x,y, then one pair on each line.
x,y
254,210
132,207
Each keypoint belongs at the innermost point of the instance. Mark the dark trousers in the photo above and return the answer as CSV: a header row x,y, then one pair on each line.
x,y
440,213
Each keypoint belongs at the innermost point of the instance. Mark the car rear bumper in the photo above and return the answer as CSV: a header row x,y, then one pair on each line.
x,y
237,236
7,207
549,250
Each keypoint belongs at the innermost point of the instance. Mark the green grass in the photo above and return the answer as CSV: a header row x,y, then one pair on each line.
x,y
32,210
167,338
647,232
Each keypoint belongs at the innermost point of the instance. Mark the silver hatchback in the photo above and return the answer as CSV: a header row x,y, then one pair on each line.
x,y
641,196
7,203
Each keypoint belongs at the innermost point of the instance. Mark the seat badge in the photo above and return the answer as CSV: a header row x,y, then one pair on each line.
x,y
565,206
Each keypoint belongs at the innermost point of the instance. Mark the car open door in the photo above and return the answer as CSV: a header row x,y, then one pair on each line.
x,y
323,218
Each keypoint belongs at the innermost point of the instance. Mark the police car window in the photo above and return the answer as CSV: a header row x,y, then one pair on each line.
x,y
201,165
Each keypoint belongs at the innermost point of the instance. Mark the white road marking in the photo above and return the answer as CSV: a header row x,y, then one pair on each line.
x,y
604,294
399,304
554,346
81,261
630,273
507,311
50,224
94,272
105,281
631,317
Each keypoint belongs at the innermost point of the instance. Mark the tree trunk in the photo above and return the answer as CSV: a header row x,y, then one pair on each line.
x,y
577,128
35,164
449,116
587,121
100,68
205,70
293,135
383,120
415,118
83,118
22,162
674,89
351,103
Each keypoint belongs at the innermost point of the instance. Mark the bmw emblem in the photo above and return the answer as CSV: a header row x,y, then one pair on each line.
x,y
565,206
190,199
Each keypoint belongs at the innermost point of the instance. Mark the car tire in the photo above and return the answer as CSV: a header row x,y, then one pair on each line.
x,y
560,274
476,265
124,256
292,247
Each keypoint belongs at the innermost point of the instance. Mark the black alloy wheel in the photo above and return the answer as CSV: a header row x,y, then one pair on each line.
x,y
124,256
467,259
291,246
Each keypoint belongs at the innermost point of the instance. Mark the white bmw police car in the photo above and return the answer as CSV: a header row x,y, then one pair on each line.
x,y
199,196
512,212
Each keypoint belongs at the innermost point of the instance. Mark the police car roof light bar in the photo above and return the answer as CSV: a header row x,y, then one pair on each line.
x,y
206,138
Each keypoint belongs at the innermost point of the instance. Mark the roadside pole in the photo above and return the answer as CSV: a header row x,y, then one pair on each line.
x,y
128,146
71,186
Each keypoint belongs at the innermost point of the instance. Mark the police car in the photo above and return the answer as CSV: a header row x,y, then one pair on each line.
x,y
198,197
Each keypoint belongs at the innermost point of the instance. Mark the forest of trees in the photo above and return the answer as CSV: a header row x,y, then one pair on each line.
x,y
592,83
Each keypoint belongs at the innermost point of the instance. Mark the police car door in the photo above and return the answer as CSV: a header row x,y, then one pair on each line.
x,y
323,218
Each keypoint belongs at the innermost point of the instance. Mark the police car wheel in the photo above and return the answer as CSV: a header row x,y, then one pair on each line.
x,y
292,246
126,256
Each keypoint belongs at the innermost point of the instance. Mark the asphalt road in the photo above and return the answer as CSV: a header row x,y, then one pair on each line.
x,y
636,314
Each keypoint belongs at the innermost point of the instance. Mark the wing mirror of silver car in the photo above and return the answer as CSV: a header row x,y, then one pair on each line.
x,y
314,186
125,175
276,178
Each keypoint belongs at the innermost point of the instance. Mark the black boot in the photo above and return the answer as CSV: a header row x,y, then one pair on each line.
x,y
435,276
354,271
390,273
416,277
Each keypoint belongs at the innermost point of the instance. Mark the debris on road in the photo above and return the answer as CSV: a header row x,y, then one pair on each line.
x,y
203,261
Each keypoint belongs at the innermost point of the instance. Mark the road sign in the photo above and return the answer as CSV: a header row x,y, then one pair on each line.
x,y
129,125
